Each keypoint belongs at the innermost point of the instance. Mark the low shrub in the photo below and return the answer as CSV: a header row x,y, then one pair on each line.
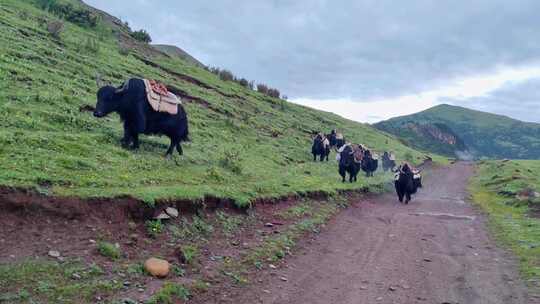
x,y
142,36
55,28
71,13
154,227
109,250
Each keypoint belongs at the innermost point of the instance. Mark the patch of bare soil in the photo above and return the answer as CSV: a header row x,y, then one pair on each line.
x,y
434,250
32,224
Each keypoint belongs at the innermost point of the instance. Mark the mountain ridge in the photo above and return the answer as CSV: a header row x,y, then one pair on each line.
x,y
477,134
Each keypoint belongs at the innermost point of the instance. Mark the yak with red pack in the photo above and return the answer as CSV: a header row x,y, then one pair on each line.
x,y
131,102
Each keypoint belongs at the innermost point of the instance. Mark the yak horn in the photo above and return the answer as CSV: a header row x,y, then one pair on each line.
x,y
122,88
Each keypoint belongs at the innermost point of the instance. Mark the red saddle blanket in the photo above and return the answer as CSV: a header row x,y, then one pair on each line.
x,y
160,98
158,88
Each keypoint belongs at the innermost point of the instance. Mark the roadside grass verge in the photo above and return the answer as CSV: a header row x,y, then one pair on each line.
x,y
42,281
275,248
513,221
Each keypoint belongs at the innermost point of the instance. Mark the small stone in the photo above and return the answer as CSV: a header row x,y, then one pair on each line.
x,y
427,260
284,279
379,299
12,256
132,225
269,225
140,290
172,212
363,287
76,276
92,241
272,266
157,267
266,291
54,254
162,216
405,286
127,283
128,301
392,288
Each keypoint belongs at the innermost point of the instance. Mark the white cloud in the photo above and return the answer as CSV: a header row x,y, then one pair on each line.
x,y
378,109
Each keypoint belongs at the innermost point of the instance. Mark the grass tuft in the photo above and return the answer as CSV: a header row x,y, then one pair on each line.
x,y
109,250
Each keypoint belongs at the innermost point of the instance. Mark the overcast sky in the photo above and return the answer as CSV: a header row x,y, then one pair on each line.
x,y
367,60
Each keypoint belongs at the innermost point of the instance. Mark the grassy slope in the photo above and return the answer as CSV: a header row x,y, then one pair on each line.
x,y
48,143
176,51
494,189
488,135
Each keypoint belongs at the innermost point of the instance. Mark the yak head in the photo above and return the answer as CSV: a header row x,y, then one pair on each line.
x,y
107,101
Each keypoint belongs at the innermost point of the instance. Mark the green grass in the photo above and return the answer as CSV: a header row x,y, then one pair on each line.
x,y
191,253
228,223
154,227
486,135
494,189
49,144
276,248
109,250
38,281
170,293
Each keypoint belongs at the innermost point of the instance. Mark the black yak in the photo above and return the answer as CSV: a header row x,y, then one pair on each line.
x,y
388,161
336,140
320,147
350,157
407,181
131,103
369,163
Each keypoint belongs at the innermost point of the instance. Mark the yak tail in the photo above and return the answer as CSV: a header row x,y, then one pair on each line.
x,y
186,136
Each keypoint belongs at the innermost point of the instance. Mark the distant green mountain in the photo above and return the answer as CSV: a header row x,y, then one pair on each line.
x,y
465,133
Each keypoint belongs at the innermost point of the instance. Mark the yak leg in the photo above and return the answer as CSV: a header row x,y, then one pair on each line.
x,y
179,149
400,194
407,197
342,173
314,157
171,148
126,140
135,141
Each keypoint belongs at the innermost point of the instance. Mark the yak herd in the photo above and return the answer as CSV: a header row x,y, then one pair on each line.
x,y
130,101
355,157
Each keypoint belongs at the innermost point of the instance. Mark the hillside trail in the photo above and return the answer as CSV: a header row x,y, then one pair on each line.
x,y
435,250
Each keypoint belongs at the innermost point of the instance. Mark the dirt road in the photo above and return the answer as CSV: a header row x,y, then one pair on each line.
x,y
435,250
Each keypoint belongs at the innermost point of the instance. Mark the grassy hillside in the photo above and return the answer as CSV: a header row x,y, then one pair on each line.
x,y
244,144
451,128
499,188
176,51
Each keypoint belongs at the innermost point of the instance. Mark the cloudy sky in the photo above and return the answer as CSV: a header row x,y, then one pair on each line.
x,y
367,60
